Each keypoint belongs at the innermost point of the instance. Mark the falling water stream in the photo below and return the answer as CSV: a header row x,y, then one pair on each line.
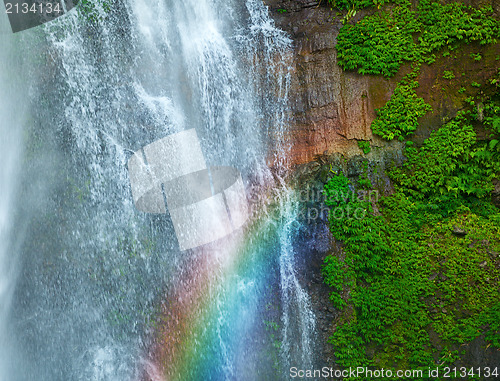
x,y
12,122
90,287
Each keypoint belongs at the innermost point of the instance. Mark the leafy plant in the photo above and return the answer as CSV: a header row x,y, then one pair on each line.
x,y
403,274
364,146
94,10
380,43
364,180
399,117
337,191
358,4
451,161
377,44
448,74
476,56
350,14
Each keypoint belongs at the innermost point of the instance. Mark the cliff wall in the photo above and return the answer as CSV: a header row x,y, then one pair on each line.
x,y
332,109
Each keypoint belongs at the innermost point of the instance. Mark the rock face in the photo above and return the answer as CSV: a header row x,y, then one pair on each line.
x,y
333,109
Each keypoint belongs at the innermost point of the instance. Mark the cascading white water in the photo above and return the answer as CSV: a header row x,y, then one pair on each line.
x,y
297,316
13,117
115,80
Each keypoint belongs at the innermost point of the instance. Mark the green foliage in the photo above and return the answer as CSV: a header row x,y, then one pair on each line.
x,y
404,275
380,43
358,4
390,267
470,101
492,319
445,25
337,191
332,271
492,116
476,56
451,162
94,11
364,180
448,74
465,301
364,146
377,44
475,84
350,14
399,117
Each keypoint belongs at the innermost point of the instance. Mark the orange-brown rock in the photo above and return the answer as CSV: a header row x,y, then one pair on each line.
x,y
333,109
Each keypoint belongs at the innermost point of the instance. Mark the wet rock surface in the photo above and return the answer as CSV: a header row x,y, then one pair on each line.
x,y
332,109
316,242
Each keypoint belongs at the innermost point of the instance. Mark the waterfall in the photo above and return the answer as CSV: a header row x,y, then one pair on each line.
x,y
13,113
97,278
297,316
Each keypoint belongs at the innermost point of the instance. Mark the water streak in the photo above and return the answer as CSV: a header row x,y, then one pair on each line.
x,y
99,277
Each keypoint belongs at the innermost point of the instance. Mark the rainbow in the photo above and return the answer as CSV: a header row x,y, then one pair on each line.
x,y
208,319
